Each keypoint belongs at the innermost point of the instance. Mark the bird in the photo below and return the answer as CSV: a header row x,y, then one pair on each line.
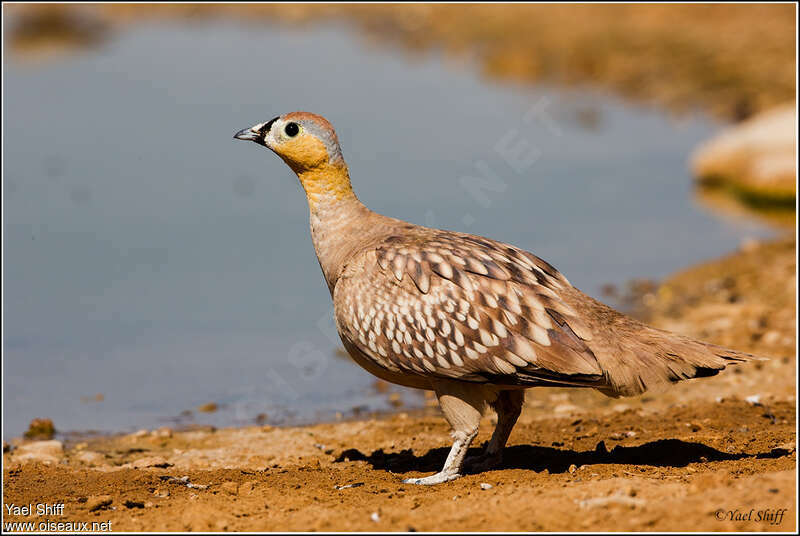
x,y
474,320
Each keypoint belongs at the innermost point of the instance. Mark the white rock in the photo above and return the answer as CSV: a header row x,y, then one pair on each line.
x,y
754,400
486,485
91,458
759,152
40,451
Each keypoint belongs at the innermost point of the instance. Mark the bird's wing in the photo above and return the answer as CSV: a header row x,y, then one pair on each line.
x,y
453,305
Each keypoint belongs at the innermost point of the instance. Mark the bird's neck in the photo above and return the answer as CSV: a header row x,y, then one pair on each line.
x,y
340,223
326,185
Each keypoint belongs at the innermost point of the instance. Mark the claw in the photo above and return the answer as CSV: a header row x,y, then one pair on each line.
x,y
431,480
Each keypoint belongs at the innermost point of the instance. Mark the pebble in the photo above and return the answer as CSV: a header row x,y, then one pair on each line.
x,y
486,485
90,457
573,468
40,451
346,486
375,517
164,431
140,433
771,337
161,493
753,400
98,502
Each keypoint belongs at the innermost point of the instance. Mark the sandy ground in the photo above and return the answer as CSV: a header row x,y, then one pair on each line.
x,y
707,455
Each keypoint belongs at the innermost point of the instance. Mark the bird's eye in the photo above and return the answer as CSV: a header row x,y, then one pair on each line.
x,y
291,129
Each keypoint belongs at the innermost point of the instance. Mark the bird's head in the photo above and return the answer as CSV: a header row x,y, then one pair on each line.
x,y
308,144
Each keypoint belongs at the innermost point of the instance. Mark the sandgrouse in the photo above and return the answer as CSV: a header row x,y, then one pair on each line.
x,y
475,320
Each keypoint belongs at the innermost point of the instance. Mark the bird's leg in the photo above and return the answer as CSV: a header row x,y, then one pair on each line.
x,y
462,407
508,407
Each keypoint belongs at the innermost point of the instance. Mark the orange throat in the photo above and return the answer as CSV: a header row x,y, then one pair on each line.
x,y
324,184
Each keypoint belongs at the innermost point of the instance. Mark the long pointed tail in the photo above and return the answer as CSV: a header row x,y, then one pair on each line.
x,y
653,358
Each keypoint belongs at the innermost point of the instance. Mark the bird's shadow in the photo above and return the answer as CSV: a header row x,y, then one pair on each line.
x,y
661,453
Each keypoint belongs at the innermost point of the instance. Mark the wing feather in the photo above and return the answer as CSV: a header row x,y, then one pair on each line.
x,y
470,309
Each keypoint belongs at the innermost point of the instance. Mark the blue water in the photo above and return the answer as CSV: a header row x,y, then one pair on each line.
x,y
150,257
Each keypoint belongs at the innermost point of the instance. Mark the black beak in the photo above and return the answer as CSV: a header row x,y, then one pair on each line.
x,y
248,134
257,133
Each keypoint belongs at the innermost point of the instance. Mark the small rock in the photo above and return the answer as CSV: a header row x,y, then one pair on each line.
x,y
573,468
375,517
771,337
98,502
164,431
40,429
40,451
161,493
133,504
695,426
150,461
347,486
210,407
140,433
486,485
91,458
753,400
230,487
566,408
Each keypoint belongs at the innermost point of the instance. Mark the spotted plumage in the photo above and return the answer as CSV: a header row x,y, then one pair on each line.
x,y
473,319
457,306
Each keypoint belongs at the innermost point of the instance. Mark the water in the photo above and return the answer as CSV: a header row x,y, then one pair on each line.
x,y
153,259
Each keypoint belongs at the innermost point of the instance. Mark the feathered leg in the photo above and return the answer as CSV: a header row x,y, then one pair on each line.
x,y
508,407
462,406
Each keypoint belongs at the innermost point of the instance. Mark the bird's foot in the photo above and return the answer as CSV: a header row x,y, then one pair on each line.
x,y
483,462
438,478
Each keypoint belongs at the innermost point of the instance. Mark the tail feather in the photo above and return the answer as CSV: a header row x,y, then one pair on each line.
x,y
652,359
